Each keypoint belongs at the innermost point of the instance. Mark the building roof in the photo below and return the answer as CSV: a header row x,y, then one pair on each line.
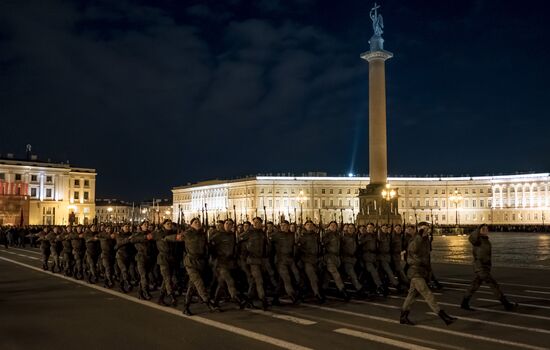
x,y
43,164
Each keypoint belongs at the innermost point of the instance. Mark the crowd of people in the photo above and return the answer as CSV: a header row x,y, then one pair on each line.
x,y
254,261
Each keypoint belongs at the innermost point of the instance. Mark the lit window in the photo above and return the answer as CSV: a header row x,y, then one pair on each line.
x,y
76,183
76,195
49,193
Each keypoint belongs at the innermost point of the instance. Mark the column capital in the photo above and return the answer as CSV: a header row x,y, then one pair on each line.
x,y
376,55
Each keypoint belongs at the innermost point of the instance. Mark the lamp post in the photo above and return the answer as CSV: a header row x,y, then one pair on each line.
x,y
388,194
456,197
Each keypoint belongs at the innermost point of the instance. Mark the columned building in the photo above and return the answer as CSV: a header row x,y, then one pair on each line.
x,y
506,199
34,192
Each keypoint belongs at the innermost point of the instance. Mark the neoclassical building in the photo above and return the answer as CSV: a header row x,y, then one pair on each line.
x,y
44,193
505,199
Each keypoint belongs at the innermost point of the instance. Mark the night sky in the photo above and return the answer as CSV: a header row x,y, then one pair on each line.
x,y
155,94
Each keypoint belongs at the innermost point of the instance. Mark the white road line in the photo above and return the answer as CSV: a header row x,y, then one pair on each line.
x,y
503,283
515,314
432,329
27,250
507,294
297,320
499,324
520,304
469,319
536,291
14,253
379,339
205,321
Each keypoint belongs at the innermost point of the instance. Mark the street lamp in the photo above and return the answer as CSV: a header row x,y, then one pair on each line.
x,y
456,198
301,198
110,210
388,194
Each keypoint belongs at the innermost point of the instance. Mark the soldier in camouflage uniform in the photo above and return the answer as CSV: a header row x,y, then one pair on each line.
x,y
45,246
368,242
384,254
93,250
222,247
283,242
166,261
143,241
331,257
107,244
418,257
124,257
396,252
481,249
308,250
79,250
254,245
55,248
349,256
67,252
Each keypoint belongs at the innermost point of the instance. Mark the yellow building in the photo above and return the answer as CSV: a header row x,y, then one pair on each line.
x,y
506,199
34,192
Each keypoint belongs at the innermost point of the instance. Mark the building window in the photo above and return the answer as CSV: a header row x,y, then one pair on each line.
x,y
34,178
481,190
442,191
331,203
48,179
76,195
349,191
466,191
331,191
86,183
418,203
443,217
2,176
76,183
443,203
436,203
473,190
270,203
473,203
323,191
340,191
323,202
48,193
427,202
427,191
417,191
340,202
435,191
33,192
17,177
86,195
481,203
316,203
427,217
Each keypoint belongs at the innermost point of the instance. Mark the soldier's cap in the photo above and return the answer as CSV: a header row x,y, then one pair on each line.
x,y
247,223
227,220
285,222
257,218
333,221
309,222
193,220
270,222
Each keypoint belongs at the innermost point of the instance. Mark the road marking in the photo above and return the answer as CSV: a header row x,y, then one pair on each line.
x,y
516,314
499,324
378,331
28,251
205,321
503,283
520,304
379,339
14,253
430,328
297,320
536,291
507,294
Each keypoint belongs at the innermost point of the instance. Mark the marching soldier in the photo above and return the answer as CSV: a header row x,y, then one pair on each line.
x,y
368,242
166,262
107,244
418,257
349,256
55,248
45,246
384,254
396,252
283,242
308,247
481,249
142,241
79,250
255,244
331,257
124,257
67,252
93,250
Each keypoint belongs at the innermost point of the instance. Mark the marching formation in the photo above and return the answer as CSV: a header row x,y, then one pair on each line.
x,y
255,262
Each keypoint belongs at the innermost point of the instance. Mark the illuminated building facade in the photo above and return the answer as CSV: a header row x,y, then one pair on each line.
x,y
506,200
34,192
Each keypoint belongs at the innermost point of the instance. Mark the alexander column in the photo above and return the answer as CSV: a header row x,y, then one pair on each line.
x,y
378,202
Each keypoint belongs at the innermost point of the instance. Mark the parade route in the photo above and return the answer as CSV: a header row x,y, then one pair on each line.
x,y
41,310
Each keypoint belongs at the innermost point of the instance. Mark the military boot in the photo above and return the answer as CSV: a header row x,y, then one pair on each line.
x,y
45,266
265,304
212,307
508,306
466,304
161,300
320,299
172,300
404,319
446,318
345,295
146,294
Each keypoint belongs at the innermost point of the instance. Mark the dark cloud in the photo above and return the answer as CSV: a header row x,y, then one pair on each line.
x,y
158,93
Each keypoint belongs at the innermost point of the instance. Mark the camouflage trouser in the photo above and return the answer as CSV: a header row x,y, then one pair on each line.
x,y
91,260
349,267
123,263
225,278
385,265
143,267
484,276
56,260
399,271
258,280
373,272
332,271
167,273
311,273
108,261
196,284
45,255
67,260
419,286
284,273
78,260
266,264
246,269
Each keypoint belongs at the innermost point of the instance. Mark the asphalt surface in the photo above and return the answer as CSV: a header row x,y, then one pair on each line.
x,y
40,310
